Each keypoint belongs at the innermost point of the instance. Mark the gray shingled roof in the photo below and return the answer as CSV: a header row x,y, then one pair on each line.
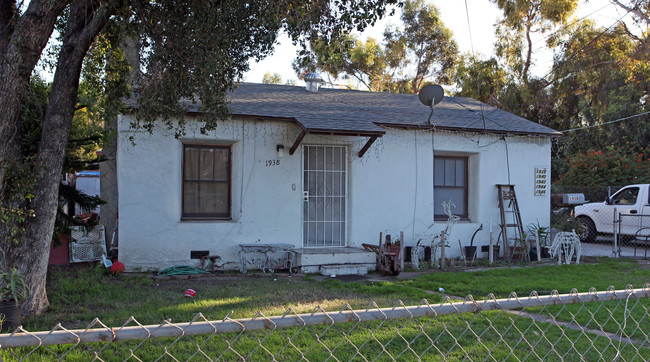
x,y
351,111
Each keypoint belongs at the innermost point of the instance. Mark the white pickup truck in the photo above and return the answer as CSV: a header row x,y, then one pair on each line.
x,y
598,217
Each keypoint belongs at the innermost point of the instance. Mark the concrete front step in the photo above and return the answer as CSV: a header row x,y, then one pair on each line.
x,y
345,269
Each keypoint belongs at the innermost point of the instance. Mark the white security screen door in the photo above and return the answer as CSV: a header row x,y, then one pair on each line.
x,y
324,189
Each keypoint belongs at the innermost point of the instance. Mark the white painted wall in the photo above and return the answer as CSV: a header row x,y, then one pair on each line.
x,y
390,189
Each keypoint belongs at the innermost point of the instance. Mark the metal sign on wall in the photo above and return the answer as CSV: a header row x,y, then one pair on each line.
x,y
541,187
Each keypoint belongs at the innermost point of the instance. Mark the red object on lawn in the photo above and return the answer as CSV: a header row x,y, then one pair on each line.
x,y
117,267
190,293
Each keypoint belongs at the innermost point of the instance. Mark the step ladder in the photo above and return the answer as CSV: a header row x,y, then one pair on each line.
x,y
512,229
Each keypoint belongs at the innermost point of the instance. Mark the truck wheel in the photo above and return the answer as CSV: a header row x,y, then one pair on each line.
x,y
588,235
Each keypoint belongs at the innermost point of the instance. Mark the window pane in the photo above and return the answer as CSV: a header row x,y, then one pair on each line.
x,y
221,167
443,194
206,163
439,172
214,198
191,164
450,172
460,172
627,196
191,197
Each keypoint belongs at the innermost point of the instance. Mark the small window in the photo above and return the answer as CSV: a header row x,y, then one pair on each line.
x,y
626,197
450,183
206,182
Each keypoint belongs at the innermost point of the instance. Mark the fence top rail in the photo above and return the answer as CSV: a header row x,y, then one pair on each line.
x,y
98,332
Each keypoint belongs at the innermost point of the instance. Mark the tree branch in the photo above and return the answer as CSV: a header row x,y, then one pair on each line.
x,y
633,10
8,11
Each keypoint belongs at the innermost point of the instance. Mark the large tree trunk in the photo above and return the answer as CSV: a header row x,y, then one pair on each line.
x,y
22,40
31,254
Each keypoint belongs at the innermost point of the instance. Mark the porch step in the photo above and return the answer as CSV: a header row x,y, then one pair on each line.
x,y
344,269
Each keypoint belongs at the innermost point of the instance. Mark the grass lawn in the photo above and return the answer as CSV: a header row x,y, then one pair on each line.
x,y
78,295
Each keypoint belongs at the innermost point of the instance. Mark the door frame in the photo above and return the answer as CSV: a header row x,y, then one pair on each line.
x,y
346,163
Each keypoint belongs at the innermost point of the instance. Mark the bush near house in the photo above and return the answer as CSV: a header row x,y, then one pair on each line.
x,y
612,166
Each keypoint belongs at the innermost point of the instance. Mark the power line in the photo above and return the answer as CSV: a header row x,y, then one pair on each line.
x,y
545,38
580,50
609,122
469,27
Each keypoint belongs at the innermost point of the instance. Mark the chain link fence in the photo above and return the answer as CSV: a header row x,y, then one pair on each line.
x,y
595,325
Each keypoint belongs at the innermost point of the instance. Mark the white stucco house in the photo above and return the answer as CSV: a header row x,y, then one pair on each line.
x,y
324,171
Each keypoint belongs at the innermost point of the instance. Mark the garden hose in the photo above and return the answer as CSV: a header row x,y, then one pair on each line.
x,y
181,270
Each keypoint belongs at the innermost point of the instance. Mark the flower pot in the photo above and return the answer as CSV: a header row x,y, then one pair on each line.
x,y
10,314
470,252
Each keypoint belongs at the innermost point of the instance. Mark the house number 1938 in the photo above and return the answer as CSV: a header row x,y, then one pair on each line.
x,y
272,163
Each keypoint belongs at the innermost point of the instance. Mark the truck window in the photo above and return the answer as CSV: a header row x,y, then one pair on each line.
x,y
626,197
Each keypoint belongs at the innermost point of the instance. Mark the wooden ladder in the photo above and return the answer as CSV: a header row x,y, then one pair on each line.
x,y
512,228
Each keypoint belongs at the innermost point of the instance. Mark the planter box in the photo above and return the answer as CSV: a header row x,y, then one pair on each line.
x,y
10,311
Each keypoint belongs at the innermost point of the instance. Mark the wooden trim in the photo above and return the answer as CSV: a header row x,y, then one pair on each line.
x,y
465,215
365,147
200,216
346,133
297,142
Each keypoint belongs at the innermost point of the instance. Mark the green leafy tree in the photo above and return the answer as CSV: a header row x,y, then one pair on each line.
x,y
419,51
523,18
347,57
424,47
603,76
189,49
483,80
274,78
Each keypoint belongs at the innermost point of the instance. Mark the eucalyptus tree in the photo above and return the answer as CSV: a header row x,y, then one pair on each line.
x,y
421,49
191,49
481,79
602,76
523,18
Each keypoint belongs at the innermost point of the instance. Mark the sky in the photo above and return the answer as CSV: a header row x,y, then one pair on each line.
x,y
483,14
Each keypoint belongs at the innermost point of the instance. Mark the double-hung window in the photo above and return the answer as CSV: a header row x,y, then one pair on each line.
x,y
450,184
207,181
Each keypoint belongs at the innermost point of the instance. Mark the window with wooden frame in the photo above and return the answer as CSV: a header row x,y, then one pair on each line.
x,y
207,181
450,183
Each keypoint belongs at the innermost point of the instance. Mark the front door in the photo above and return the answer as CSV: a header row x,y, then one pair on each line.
x,y
325,201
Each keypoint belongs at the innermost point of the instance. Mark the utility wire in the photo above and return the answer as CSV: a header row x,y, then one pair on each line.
x,y
580,50
469,27
545,38
609,122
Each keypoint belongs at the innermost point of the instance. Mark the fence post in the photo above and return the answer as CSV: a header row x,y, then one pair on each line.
x,y
615,253
491,248
539,251
442,250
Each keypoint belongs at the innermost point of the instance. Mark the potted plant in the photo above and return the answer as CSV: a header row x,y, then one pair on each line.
x,y
544,240
13,292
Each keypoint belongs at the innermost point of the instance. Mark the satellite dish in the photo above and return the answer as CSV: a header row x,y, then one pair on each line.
x,y
431,94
